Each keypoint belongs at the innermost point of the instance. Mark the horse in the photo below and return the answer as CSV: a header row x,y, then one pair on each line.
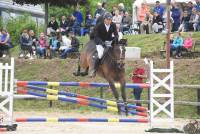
x,y
111,68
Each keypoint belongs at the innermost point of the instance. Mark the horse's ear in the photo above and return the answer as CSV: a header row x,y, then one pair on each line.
x,y
123,42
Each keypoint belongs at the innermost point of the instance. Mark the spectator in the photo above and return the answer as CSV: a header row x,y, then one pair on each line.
x,y
184,27
117,19
177,43
197,5
198,23
114,8
99,10
176,15
53,25
141,14
104,6
65,44
157,23
5,42
43,45
159,9
74,46
147,23
26,44
54,45
71,22
88,12
88,25
34,40
138,76
63,24
126,22
78,15
189,8
121,8
194,20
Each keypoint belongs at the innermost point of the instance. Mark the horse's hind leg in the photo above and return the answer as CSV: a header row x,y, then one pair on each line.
x,y
116,95
77,73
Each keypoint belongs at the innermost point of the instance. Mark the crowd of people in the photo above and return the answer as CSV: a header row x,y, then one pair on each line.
x,y
184,17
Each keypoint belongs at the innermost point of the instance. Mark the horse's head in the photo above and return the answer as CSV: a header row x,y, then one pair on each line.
x,y
118,52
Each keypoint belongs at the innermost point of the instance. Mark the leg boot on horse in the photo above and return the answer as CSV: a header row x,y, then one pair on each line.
x,y
94,65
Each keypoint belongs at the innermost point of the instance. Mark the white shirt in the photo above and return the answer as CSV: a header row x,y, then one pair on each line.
x,y
107,27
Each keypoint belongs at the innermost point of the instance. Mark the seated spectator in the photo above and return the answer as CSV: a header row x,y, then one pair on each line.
x,y
34,40
42,45
184,27
141,14
121,8
71,22
65,44
88,25
197,5
147,23
74,46
63,24
189,8
26,44
157,23
177,43
194,20
126,22
176,15
5,43
54,45
53,25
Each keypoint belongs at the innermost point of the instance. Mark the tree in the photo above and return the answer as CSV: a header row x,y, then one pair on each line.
x,y
62,3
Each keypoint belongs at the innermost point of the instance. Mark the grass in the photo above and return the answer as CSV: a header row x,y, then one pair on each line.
x,y
186,72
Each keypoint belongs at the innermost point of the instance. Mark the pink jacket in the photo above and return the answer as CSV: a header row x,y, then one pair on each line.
x,y
43,43
188,43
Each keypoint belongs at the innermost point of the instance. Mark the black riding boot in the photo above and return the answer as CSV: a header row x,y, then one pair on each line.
x,y
94,66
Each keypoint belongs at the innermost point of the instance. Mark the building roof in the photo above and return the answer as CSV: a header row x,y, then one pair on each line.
x,y
9,5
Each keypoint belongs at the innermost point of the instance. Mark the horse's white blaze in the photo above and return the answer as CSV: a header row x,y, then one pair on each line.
x,y
100,51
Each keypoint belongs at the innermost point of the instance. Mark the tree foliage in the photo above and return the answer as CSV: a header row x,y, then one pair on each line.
x,y
52,2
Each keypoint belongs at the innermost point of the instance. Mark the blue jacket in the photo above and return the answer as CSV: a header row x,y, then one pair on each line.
x,y
176,14
160,10
79,16
178,41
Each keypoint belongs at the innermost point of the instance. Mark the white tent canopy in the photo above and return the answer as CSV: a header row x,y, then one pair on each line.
x,y
138,3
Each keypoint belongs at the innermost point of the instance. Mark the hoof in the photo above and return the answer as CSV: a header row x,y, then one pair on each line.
x,y
76,74
84,73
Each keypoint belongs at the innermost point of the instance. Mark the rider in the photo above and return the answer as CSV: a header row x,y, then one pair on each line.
x,y
105,31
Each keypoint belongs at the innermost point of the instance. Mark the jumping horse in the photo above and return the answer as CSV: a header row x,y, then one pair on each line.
x,y
111,68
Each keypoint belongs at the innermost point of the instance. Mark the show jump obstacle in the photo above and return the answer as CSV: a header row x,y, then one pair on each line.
x,y
8,86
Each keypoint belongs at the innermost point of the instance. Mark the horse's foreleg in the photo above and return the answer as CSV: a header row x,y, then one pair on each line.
x,y
116,95
123,93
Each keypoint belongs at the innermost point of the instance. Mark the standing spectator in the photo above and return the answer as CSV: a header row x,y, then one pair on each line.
x,y
176,15
159,9
184,27
197,5
99,9
141,14
126,22
5,42
189,8
53,25
74,45
117,19
138,76
121,8
63,24
78,15
114,8
43,45
157,23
